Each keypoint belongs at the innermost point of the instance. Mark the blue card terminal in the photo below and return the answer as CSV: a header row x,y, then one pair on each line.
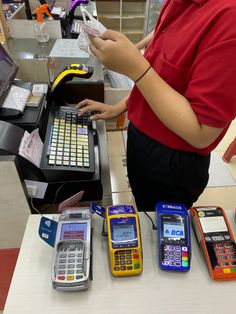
x,y
174,242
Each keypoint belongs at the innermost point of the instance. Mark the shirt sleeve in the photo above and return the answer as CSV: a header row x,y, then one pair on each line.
x,y
212,84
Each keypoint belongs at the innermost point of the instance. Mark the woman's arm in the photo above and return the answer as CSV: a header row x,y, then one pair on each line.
x,y
117,53
175,111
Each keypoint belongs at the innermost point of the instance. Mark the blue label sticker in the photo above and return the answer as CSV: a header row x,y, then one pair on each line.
x,y
47,230
98,209
121,209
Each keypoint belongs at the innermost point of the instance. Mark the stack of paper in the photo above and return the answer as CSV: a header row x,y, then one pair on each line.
x,y
67,48
16,98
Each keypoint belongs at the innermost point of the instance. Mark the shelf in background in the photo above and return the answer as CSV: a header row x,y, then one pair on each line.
x,y
128,17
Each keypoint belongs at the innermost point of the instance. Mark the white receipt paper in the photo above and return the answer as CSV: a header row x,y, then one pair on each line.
x,y
90,26
31,147
16,98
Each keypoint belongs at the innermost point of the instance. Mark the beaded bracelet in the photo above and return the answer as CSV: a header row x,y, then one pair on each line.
x,y
143,74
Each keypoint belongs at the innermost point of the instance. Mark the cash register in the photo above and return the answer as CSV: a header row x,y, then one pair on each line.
x,y
70,159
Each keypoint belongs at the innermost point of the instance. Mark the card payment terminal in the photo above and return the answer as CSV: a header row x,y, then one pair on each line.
x,y
124,240
71,269
174,243
216,241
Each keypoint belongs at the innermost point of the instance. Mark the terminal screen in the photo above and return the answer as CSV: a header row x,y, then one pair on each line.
x,y
71,231
213,224
7,73
123,233
173,230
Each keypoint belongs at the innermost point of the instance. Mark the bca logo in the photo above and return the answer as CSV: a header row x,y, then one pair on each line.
x,y
177,233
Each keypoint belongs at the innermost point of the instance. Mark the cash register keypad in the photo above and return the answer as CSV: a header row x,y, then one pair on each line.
x,y
69,145
70,262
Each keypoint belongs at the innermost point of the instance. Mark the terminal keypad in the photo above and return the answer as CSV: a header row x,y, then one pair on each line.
x,y
69,264
226,257
175,256
126,260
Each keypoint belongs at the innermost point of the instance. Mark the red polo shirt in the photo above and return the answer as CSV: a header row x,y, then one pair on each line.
x,y
194,51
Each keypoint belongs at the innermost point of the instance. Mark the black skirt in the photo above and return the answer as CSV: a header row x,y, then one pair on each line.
x,y
158,173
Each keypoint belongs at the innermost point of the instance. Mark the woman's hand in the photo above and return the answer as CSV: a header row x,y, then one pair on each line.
x,y
142,44
99,110
119,54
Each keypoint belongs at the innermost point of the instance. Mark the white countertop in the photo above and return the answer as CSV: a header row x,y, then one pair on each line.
x,y
154,291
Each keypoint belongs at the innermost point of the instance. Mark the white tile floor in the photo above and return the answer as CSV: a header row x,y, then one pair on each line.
x,y
121,193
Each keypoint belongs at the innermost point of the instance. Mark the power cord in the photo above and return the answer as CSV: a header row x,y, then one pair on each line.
x,y
32,205
53,202
154,227
56,194
104,233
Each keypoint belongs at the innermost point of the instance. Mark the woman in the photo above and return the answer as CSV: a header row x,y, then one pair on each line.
x,y
183,100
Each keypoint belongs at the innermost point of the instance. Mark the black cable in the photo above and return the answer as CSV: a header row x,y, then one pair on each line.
x,y
154,227
104,233
56,194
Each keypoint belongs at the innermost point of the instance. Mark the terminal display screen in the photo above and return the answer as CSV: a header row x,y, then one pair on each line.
x,y
173,230
213,224
123,233
71,231
7,73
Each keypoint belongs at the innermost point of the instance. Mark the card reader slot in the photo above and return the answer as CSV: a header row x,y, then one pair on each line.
x,y
76,215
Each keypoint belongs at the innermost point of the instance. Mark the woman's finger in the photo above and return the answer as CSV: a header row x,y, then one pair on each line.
x,y
93,49
97,116
109,34
90,108
85,102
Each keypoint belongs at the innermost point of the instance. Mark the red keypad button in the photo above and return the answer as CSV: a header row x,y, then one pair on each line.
x,y
218,269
